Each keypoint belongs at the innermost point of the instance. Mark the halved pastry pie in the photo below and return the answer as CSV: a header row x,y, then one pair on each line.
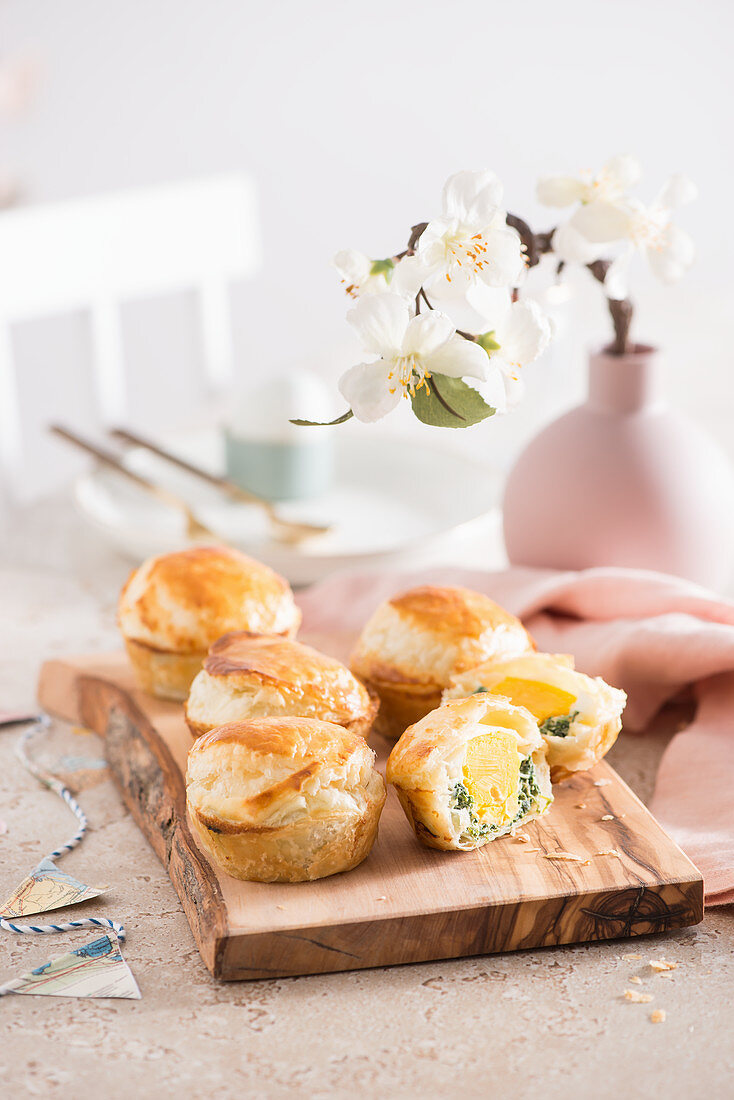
x,y
257,675
414,643
471,771
578,717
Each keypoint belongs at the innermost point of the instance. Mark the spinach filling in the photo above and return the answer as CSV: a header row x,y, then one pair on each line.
x,y
558,726
527,795
529,789
462,800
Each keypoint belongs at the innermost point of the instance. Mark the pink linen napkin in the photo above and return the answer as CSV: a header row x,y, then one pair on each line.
x,y
650,634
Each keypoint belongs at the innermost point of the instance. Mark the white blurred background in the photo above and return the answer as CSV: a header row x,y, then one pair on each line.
x,y
348,117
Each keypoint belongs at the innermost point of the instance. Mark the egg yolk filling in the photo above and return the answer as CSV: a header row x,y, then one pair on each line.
x,y
492,775
542,700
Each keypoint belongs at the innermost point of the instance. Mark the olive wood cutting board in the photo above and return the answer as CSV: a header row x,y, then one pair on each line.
x,y
405,903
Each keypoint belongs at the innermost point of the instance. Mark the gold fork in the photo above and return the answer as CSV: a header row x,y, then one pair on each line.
x,y
195,529
285,530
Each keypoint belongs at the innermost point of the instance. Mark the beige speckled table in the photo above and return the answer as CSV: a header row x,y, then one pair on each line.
x,y
549,1023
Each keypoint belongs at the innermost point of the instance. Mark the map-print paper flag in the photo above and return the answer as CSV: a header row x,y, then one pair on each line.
x,y
95,970
47,888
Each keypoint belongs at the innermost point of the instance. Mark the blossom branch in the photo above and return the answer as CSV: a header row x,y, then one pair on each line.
x,y
415,235
537,245
531,241
621,310
469,244
475,245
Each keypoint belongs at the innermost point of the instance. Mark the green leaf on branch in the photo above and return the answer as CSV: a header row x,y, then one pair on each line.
x,y
449,403
324,423
383,267
487,341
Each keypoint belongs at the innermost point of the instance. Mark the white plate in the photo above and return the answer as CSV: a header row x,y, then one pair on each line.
x,y
394,504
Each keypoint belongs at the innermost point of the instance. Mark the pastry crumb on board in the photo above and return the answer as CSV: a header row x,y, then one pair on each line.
x,y
636,998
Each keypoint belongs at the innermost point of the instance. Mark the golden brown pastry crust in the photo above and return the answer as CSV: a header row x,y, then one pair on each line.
x,y
186,600
461,628
453,610
253,675
301,852
165,675
401,705
606,734
178,604
284,799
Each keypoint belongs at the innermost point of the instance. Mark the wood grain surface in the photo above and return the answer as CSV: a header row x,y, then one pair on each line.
x,y
405,903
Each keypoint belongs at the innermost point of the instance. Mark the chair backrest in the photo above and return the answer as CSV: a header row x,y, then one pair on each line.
x,y
113,306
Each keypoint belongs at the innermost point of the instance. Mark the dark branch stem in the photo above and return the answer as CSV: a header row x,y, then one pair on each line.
x,y
415,235
620,309
538,244
459,332
528,238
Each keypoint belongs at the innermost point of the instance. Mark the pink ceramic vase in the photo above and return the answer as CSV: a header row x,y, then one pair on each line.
x,y
623,480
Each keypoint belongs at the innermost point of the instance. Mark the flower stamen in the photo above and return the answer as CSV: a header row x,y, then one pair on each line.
x,y
410,374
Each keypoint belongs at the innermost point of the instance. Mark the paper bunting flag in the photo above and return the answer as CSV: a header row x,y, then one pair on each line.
x,y
95,970
47,888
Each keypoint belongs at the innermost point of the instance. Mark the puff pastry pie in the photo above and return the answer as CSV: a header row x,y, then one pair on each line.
x,y
471,771
414,643
257,675
578,717
284,799
174,606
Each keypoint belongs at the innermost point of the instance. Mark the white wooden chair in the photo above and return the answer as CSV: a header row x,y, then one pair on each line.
x,y
79,282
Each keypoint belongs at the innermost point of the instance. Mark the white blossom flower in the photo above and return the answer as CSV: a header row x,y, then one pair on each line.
x,y
409,349
668,249
607,215
571,246
361,275
514,335
600,193
612,183
471,241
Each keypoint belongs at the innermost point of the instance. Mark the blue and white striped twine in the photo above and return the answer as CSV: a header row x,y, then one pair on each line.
x,y
44,722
